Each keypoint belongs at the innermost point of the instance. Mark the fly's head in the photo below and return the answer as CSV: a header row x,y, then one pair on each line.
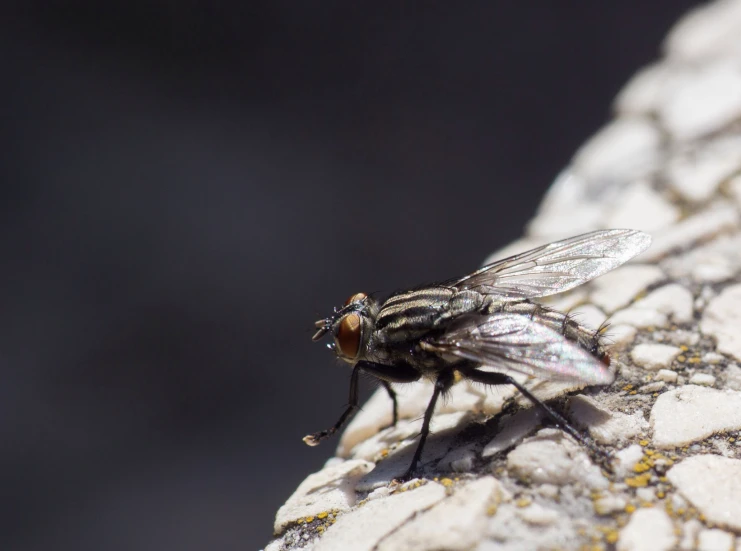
x,y
351,326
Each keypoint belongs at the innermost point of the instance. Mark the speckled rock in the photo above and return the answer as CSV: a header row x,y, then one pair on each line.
x,y
712,484
691,413
647,530
664,468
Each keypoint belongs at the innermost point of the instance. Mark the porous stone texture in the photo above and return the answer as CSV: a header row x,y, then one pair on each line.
x,y
664,470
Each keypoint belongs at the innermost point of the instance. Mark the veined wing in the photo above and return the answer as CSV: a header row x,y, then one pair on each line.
x,y
516,342
556,267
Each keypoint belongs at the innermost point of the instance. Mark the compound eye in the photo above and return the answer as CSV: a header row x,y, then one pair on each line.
x,y
348,335
357,297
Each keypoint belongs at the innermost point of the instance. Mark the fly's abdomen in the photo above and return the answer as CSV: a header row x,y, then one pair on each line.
x,y
588,339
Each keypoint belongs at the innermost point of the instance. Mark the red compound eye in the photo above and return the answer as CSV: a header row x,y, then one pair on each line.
x,y
357,297
348,335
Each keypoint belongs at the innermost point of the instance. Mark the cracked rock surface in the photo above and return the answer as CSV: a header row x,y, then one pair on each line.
x,y
496,477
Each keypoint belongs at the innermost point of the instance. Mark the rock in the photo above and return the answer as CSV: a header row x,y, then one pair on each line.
x,y
702,379
701,226
626,459
367,526
551,457
332,488
618,288
707,32
702,101
712,484
621,152
647,530
588,315
654,356
691,413
715,540
722,320
644,209
514,429
537,515
605,426
672,300
455,523
666,375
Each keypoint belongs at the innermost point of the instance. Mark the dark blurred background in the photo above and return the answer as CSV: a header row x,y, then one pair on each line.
x,y
187,187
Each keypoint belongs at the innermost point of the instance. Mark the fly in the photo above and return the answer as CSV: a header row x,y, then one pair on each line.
x,y
453,329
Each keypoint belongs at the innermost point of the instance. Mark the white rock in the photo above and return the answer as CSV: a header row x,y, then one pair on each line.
x,y
703,225
649,530
365,527
551,457
666,375
623,151
722,320
712,484
330,488
709,31
588,315
640,318
456,523
733,377
711,263
609,504
617,288
514,429
702,379
702,101
645,90
620,334
672,300
690,531
537,515
605,426
459,460
566,209
626,459
691,413
734,187
696,174
715,540
654,356
712,358
642,208
646,494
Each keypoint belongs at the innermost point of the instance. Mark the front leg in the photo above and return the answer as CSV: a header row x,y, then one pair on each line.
x,y
443,383
386,373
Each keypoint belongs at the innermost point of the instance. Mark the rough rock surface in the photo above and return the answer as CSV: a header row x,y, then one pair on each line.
x,y
494,477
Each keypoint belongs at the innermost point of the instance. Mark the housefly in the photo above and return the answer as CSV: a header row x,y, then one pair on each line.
x,y
482,327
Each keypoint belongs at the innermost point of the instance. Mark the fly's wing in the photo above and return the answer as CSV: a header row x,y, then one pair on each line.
x,y
556,267
518,343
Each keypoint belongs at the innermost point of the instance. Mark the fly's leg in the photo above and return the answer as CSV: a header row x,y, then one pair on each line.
x,y
352,407
392,394
491,378
386,373
442,385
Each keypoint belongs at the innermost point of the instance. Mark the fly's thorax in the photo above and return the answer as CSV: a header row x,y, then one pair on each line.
x,y
412,314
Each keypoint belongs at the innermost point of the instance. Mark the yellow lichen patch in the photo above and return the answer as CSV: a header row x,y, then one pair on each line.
x,y
322,515
646,504
694,360
660,494
633,392
643,443
309,519
384,453
448,483
639,481
523,502
641,467
684,348
612,536
681,358
491,510
630,508
627,387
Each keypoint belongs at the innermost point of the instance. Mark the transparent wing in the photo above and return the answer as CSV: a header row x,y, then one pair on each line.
x,y
556,267
516,342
